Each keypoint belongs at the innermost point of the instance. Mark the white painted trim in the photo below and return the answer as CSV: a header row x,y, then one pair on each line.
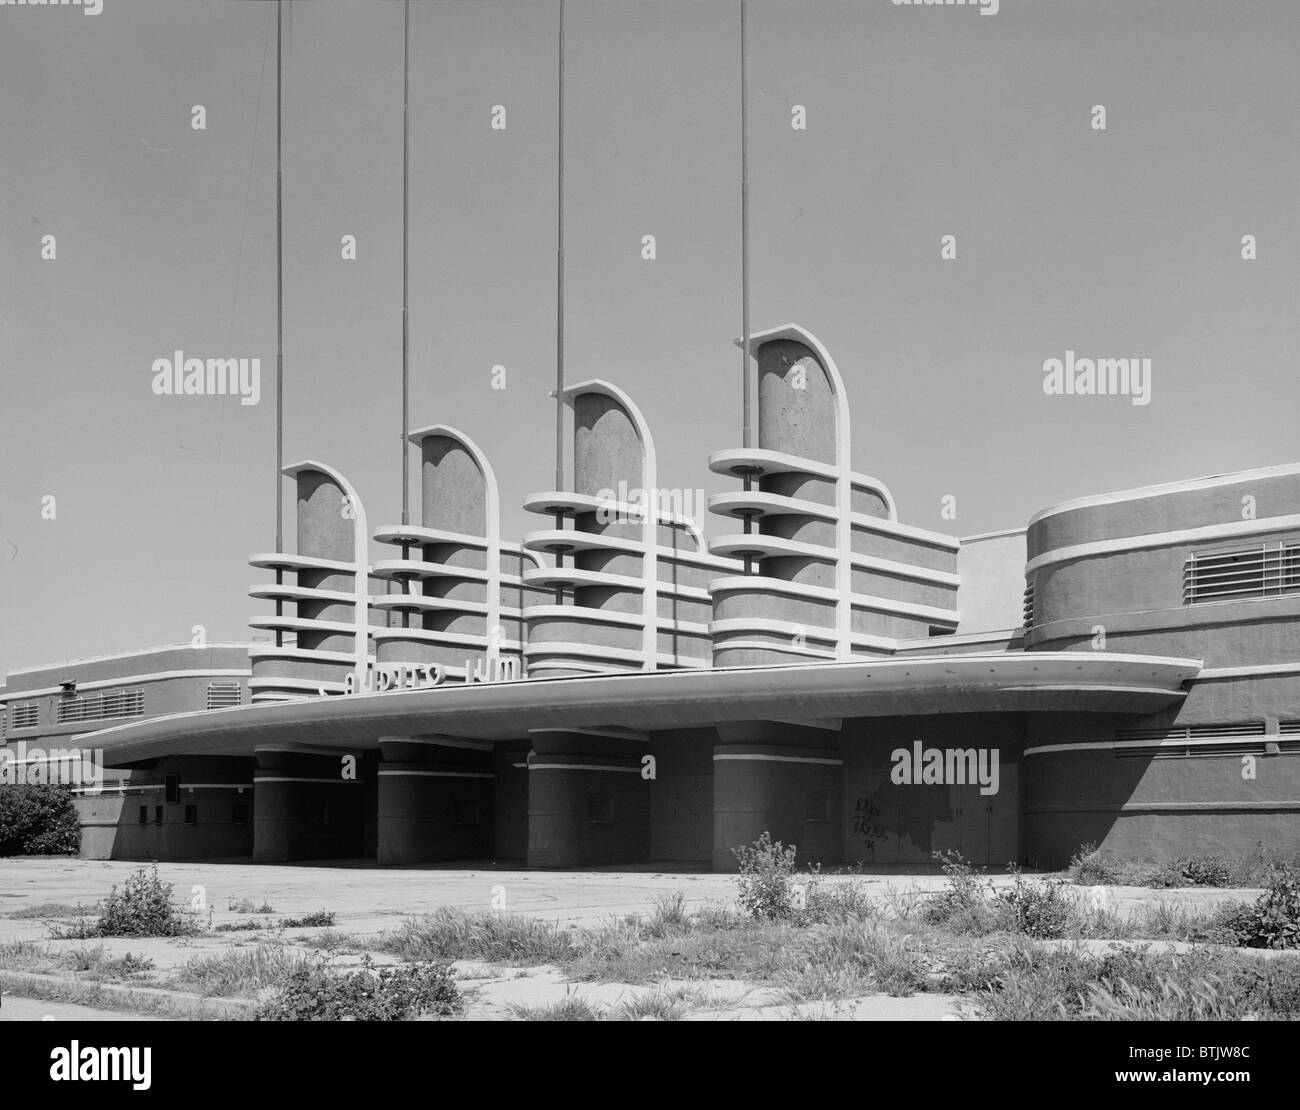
x,y
583,767
1231,529
1187,485
608,733
568,649
577,576
909,531
586,502
1127,745
300,749
8,695
310,686
438,742
287,592
301,655
615,617
264,560
294,778
1212,673
302,624
992,535
432,604
784,649
441,639
821,593
779,759
130,655
240,786
440,774
786,628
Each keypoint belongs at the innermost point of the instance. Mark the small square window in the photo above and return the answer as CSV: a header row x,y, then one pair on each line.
x,y
239,815
191,815
144,815
157,815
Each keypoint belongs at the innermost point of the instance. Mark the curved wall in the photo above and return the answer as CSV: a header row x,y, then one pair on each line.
x,y
1220,772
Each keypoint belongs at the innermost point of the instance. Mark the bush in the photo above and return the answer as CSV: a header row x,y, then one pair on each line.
x,y
318,919
1089,867
38,821
1040,910
766,880
1203,871
964,906
143,909
1273,921
318,993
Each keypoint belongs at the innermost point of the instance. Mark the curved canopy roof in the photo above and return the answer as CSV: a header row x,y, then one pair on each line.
x,y
651,701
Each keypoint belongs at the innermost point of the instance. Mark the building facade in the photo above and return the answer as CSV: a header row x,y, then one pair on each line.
x,y
617,687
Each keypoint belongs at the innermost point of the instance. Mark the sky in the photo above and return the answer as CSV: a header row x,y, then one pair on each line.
x,y
921,122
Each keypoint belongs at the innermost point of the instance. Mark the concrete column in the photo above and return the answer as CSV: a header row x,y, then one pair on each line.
x,y
435,799
791,789
304,807
587,801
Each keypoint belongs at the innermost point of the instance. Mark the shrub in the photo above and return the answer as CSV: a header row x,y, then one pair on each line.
x,y
319,919
1204,871
1089,867
143,909
766,879
825,903
1040,910
38,821
317,992
964,906
1273,921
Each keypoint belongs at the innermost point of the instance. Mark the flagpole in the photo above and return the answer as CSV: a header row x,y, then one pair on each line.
x,y
406,275
279,312
746,430
559,276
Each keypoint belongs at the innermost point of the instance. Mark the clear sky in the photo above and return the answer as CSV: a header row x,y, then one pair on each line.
x,y
921,122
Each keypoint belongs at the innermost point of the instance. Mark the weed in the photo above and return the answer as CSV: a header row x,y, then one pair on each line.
x,y
451,934
320,919
316,992
143,909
